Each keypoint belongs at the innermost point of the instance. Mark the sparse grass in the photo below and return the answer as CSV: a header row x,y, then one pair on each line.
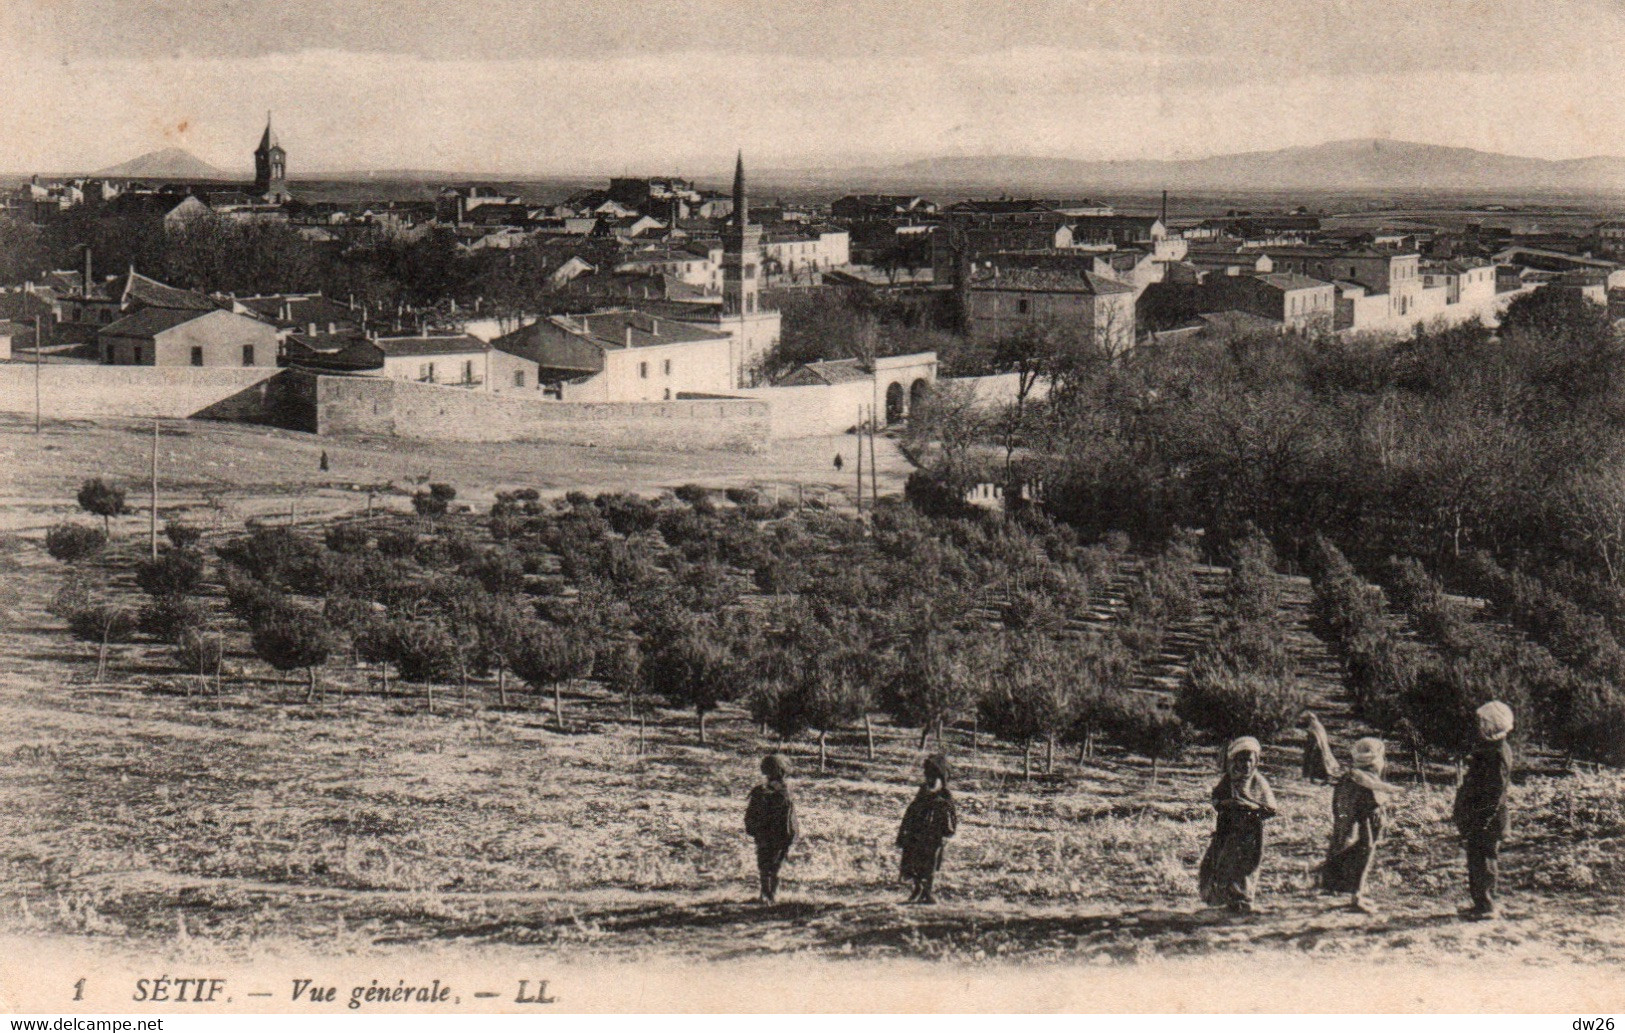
x,y
132,810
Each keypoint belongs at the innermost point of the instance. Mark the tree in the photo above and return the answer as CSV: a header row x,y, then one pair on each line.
x,y
551,655
1033,698
294,638
104,500
690,667
620,666
201,651
939,676
1232,703
1032,352
184,537
1146,727
170,617
423,651
71,543
103,622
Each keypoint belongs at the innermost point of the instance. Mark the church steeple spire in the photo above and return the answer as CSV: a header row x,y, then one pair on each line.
x,y
270,166
741,205
268,141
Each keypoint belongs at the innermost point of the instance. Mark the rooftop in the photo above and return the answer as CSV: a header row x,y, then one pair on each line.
x,y
405,347
149,322
1290,281
149,292
1062,281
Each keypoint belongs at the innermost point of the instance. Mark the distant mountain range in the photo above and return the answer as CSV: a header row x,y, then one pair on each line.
x,y
169,163
1368,164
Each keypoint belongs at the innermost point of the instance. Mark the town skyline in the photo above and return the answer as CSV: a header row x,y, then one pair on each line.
x,y
589,90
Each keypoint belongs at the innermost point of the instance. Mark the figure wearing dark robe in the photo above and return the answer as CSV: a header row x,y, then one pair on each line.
x,y
1319,764
928,822
1480,810
1228,876
770,819
1359,812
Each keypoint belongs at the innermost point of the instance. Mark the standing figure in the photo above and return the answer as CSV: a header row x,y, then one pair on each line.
x,y
929,820
1480,812
770,819
1319,765
1229,872
839,462
1359,811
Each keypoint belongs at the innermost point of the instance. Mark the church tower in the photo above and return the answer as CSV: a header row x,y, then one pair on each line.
x,y
741,254
271,167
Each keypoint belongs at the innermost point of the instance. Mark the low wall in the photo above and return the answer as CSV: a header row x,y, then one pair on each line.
x,y
376,406
815,410
96,392
1000,388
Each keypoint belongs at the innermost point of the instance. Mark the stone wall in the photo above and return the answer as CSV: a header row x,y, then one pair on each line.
x,y
96,392
375,406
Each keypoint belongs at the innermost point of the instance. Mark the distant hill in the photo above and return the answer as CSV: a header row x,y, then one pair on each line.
x,y
169,163
1368,164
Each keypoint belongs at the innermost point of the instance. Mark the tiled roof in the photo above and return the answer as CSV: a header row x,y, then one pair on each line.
x,y
404,347
609,328
833,371
149,322
1290,281
149,292
302,311
1071,281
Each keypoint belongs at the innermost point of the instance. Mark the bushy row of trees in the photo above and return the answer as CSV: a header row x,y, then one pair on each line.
x,y
1429,694
812,622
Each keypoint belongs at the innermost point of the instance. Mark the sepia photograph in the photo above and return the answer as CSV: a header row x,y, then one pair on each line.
x,y
886,506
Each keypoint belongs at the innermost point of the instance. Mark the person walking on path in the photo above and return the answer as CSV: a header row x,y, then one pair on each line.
x,y
770,820
929,821
1480,811
1228,875
1319,763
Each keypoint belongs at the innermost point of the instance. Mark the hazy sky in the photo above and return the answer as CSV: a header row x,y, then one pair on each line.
x,y
657,85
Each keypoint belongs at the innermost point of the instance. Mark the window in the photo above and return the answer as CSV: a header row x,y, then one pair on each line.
x,y
468,371
1022,306
518,378
643,370
197,355
426,372
666,367
248,355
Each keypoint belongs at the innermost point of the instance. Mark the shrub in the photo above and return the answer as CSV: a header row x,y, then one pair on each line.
x,y
1034,612
71,543
347,538
183,536
73,594
691,668
173,573
249,598
1231,703
422,651
294,638
1259,646
1380,670
278,556
1252,592
169,617
103,621
104,500
199,651
428,504
397,544
742,497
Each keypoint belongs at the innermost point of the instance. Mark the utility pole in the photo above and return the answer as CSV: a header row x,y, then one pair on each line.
x,y
874,464
152,517
39,349
860,459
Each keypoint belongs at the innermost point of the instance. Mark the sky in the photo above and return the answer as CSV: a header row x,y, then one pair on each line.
x,y
658,86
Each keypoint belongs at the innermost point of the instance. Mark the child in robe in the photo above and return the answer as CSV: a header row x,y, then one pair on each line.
x,y
1480,811
770,819
1359,812
929,821
1228,876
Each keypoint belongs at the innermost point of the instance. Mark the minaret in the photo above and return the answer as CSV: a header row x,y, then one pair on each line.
x,y
270,167
741,254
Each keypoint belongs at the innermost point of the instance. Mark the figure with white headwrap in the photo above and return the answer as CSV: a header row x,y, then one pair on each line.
x,y
1480,812
1228,876
770,820
1319,764
1359,811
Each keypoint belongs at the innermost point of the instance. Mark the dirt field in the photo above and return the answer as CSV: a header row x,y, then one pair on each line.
x,y
138,816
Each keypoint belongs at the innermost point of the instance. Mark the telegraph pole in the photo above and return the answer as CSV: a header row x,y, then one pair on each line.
x,y
874,464
152,518
39,348
860,459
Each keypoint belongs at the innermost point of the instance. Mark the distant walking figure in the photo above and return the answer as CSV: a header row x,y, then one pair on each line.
x,y
1480,812
1229,872
839,462
770,819
1359,811
1319,765
929,820
323,463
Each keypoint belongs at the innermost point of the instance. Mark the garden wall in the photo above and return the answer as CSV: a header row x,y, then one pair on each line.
x,y
73,392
